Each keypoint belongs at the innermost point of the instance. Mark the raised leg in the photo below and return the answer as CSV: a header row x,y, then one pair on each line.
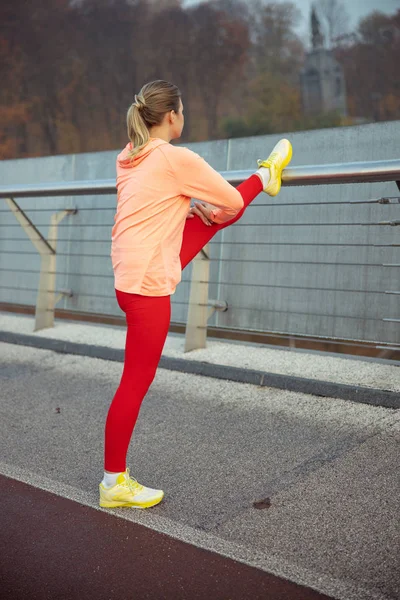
x,y
196,234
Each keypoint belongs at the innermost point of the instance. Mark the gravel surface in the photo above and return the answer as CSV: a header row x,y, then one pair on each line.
x,y
379,374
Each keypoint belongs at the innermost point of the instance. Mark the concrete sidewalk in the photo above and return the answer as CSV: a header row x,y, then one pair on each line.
x,y
301,487
360,379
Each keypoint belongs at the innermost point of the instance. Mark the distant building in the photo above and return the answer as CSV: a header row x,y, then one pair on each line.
x,y
323,87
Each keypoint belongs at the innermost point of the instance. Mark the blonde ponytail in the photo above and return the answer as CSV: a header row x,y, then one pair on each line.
x,y
153,101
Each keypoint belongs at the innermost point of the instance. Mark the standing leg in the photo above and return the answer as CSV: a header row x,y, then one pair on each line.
x,y
196,234
148,319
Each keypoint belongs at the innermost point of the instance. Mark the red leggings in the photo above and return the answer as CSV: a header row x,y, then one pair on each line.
x,y
148,319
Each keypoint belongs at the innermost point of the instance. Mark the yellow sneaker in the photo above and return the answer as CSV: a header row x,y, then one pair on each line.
x,y
279,158
128,492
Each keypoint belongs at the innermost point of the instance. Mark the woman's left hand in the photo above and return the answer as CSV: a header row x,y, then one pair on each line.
x,y
202,210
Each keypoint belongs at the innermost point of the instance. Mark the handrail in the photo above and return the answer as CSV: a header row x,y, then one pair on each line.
x,y
356,172
337,173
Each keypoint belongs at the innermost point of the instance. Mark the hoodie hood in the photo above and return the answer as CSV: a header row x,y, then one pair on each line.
x,y
125,161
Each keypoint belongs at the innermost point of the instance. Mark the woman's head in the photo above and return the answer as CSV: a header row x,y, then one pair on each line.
x,y
158,106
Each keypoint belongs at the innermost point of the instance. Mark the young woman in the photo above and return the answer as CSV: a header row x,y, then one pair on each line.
x,y
155,235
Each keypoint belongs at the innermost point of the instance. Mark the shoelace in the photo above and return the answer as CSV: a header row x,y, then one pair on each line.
x,y
271,158
132,483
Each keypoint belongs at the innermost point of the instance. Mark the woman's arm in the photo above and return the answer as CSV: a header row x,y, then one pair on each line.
x,y
197,179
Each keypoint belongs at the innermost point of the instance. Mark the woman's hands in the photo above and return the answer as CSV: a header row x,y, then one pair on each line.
x,y
202,210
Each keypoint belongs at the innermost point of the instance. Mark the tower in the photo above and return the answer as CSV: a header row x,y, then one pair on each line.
x,y
323,86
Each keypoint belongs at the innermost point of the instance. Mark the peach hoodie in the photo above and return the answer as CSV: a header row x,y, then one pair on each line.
x,y
153,200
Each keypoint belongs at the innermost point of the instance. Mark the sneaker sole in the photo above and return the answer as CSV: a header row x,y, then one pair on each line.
x,y
289,157
110,504
285,163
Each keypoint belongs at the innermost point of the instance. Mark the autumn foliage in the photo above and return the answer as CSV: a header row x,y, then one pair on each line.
x,y
69,69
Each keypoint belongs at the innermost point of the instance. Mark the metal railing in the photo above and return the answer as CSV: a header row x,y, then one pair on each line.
x,y
200,307
357,172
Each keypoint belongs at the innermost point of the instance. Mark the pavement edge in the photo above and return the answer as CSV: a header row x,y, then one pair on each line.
x,y
328,389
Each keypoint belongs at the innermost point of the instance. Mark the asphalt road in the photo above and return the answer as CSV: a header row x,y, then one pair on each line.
x,y
263,487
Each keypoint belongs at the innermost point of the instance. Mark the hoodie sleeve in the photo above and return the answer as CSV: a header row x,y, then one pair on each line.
x,y
197,179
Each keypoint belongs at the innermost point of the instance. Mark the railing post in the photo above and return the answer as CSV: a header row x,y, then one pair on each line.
x,y
200,307
46,301
196,326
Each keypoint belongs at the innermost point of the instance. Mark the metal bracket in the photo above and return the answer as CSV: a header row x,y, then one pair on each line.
x,y
216,305
391,223
62,294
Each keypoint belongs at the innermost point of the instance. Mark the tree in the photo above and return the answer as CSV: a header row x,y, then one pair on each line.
x,y
34,71
274,107
276,48
371,68
172,57
70,68
219,45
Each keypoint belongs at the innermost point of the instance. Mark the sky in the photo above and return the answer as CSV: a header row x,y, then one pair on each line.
x,y
356,9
